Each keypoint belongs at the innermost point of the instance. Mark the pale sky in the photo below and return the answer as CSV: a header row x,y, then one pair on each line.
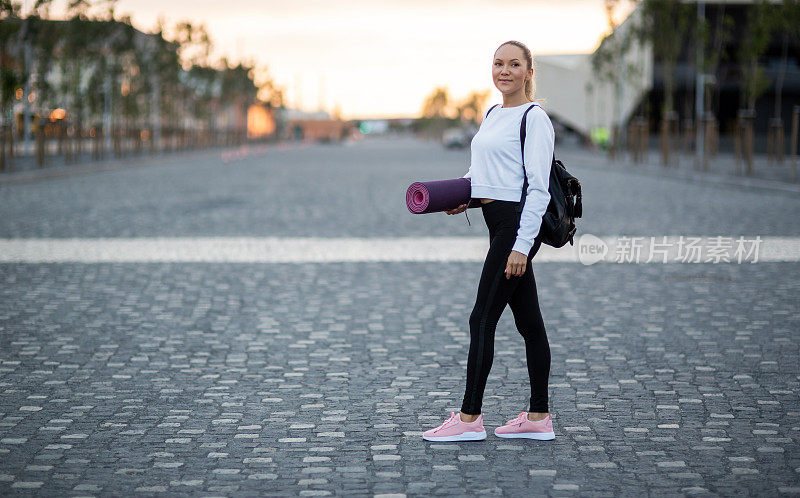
x,y
380,58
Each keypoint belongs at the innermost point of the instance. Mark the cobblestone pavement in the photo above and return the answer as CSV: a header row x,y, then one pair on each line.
x,y
724,164
317,379
359,191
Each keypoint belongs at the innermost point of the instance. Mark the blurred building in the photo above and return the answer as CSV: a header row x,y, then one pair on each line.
x,y
578,98
260,121
316,126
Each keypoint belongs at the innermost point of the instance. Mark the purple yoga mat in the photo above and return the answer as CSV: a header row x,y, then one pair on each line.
x,y
439,195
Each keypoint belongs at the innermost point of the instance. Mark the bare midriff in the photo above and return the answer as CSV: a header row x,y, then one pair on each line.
x,y
484,201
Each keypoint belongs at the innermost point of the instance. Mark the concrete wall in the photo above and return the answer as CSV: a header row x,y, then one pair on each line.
x,y
577,98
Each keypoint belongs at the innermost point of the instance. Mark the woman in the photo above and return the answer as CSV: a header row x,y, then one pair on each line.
x,y
507,277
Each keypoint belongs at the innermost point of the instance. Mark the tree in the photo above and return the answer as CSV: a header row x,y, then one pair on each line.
x,y
78,8
607,62
436,104
787,19
194,44
760,25
761,22
96,65
470,109
11,76
9,8
714,42
666,24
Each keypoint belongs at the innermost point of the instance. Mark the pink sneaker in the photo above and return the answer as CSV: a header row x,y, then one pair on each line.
x,y
521,427
453,429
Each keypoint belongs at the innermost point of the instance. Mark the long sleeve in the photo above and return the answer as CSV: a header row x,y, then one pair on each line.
x,y
539,144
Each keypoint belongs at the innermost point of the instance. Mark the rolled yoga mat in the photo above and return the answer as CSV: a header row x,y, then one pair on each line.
x,y
439,195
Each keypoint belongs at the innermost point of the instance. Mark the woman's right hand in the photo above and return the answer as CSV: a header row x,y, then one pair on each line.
x,y
459,209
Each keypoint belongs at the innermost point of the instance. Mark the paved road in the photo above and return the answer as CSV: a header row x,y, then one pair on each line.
x,y
317,379
359,190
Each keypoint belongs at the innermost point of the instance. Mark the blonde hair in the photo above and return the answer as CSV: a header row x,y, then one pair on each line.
x,y
530,85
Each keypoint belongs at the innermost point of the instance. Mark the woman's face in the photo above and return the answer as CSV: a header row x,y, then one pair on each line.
x,y
509,70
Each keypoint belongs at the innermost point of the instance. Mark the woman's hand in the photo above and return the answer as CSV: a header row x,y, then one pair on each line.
x,y
459,209
516,264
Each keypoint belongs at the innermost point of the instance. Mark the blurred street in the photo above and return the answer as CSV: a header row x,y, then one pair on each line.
x,y
245,378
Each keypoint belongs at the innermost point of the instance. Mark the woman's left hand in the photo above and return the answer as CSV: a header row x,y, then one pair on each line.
x,y
516,264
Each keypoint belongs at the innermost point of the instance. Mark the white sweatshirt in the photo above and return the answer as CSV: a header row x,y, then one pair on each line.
x,y
496,165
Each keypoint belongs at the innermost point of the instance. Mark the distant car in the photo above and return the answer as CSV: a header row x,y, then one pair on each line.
x,y
456,138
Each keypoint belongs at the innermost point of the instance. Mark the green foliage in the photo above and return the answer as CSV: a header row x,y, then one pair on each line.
x,y
715,39
789,18
608,60
9,8
194,43
74,59
10,80
666,24
763,19
469,110
436,104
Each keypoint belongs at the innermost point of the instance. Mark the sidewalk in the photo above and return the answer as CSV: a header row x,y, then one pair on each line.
x,y
57,168
721,170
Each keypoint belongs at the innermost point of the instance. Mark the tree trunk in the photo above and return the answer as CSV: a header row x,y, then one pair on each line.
x,y
40,142
794,140
2,147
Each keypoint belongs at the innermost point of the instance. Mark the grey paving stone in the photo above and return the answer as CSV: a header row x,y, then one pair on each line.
x,y
265,195
245,379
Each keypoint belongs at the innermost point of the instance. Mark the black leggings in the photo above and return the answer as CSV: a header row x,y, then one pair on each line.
x,y
494,292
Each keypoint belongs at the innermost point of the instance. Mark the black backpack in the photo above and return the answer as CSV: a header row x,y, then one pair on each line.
x,y
558,223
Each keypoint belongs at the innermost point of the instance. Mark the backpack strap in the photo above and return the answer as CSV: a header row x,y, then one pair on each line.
x,y
522,133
